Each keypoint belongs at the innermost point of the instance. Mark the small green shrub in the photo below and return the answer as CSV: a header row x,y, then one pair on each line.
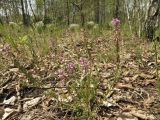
x,y
157,34
51,27
39,27
90,25
74,27
13,25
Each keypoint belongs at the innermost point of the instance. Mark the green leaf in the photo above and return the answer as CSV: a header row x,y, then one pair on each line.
x,y
23,40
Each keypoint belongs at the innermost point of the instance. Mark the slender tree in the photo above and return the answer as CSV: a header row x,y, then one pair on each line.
x,y
97,10
152,16
116,11
25,21
68,11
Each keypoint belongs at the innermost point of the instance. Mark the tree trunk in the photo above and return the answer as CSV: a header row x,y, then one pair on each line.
x,y
96,7
6,15
74,13
82,13
103,15
80,9
23,14
45,9
30,4
150,23
68,11
116,11
128,15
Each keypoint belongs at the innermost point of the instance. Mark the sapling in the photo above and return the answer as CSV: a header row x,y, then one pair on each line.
x,y
74,27
39,26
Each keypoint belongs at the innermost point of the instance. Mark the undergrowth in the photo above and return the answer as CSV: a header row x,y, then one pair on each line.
x,y
73,58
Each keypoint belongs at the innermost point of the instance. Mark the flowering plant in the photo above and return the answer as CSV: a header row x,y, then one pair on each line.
x,y
116,32
115,21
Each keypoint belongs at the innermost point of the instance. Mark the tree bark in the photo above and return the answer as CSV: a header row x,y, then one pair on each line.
x,y
68,11
103,9
97,10
116,11
23,14
150,23
80,8
30,4
128,15
82,13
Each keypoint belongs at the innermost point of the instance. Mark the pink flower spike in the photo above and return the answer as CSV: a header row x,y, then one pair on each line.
x,y
71,66
115,21
82,61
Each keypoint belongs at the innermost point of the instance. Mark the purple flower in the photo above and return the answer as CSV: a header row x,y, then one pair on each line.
x,y
83,61
115,21
71,66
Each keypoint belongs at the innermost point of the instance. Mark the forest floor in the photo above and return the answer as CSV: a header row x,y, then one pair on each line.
x,y
133,95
